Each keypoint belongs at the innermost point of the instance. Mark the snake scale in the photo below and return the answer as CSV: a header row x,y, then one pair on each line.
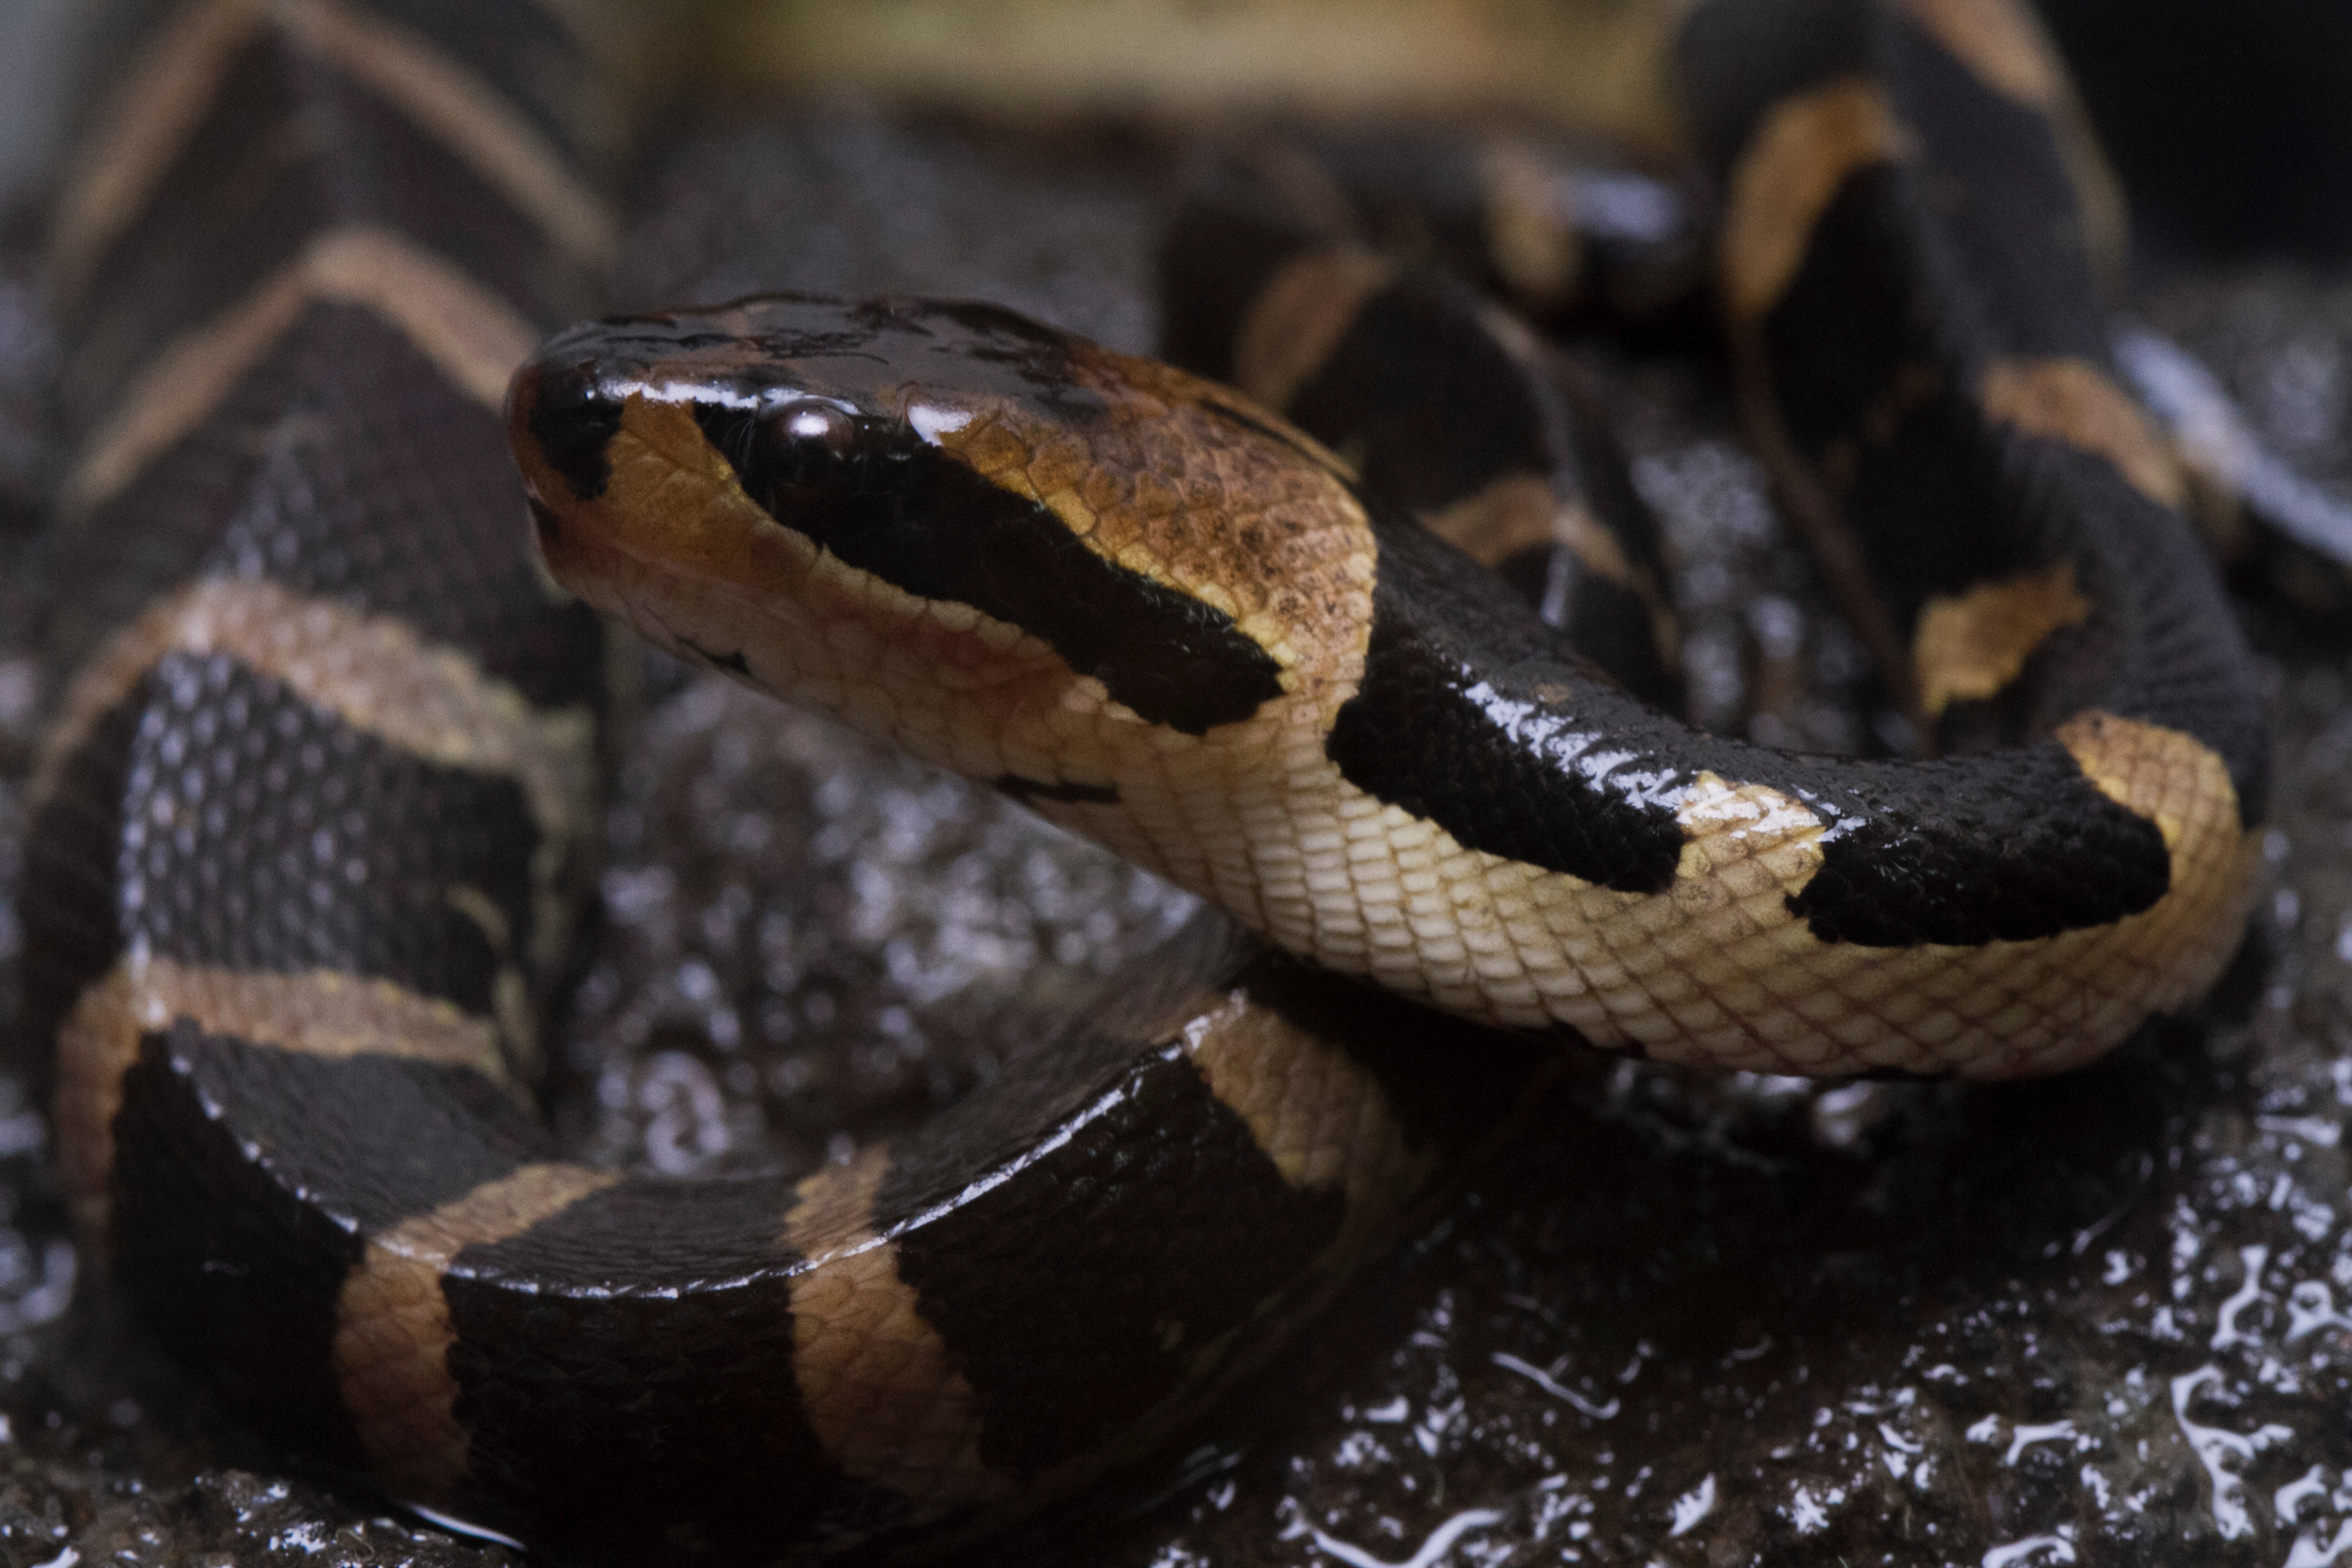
x,y
318,799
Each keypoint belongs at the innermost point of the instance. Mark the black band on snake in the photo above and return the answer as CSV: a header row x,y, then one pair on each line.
x,y
319,797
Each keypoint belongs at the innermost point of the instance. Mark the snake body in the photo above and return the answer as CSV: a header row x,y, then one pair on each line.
x,y
1362,751
309,820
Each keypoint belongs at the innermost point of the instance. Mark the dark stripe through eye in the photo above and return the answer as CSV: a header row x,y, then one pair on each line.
x,y
881,499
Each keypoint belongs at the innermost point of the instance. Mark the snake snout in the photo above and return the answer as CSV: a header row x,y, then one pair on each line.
x,y
560,412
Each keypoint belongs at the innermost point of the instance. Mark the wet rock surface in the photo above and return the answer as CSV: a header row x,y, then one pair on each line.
x,y
2105,1319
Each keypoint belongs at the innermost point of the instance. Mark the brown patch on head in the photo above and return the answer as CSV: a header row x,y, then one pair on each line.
x,y
1299,316
1801,153
878,1386
2074,402
1968,646
317,1012
474,339
393,1331
1531,236
1186,484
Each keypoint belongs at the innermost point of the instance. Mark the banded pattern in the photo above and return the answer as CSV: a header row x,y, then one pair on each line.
x,y
317,803
310,822
1379,767
943,1335
319,695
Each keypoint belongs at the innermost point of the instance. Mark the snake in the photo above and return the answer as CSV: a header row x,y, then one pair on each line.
x,y
316,805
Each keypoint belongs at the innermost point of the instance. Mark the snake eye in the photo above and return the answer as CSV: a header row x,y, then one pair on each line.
x,y
798,452
805,420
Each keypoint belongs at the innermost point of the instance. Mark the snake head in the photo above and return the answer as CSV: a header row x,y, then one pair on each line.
x,y
999,545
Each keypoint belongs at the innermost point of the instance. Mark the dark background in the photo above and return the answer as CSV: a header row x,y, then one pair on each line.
x,y
2230,121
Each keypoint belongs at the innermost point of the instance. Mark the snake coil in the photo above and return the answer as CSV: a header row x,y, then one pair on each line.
x,y
319,795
